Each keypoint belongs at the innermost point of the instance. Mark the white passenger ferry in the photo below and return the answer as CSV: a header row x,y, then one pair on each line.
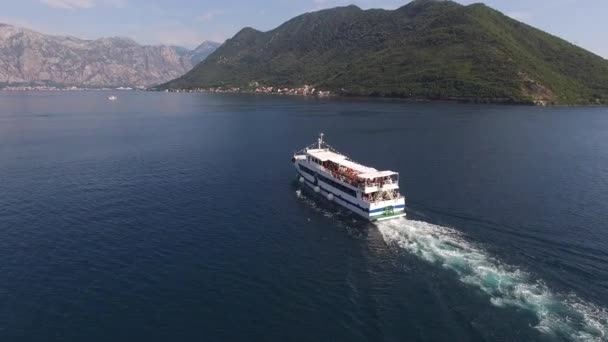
x,y
364,190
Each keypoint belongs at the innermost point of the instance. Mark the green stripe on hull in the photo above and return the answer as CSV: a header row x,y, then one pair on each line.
x,y
387,216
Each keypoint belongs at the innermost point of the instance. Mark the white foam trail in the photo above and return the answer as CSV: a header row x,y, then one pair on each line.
x,y
564,316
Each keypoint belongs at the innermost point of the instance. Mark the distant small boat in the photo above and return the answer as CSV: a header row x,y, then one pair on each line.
x,y
112,98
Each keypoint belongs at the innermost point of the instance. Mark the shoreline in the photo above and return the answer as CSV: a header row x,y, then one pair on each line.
x,y
503,102
327,95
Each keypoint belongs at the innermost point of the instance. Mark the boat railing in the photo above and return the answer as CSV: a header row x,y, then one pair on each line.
x,y
350,176
381,196
378,183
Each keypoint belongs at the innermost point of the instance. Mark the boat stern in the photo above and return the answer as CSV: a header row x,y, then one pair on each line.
x,y
387,210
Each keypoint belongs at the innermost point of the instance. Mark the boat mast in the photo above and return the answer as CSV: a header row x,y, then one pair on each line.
x,y
321,140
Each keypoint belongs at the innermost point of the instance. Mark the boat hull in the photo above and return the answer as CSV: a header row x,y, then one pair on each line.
x,y
331,195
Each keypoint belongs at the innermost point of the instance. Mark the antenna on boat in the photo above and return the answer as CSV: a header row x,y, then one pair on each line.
x,y
321,140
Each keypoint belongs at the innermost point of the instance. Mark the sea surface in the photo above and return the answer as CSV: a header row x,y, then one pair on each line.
x,y
176,217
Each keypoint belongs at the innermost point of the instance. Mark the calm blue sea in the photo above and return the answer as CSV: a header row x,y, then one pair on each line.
x,y
175,217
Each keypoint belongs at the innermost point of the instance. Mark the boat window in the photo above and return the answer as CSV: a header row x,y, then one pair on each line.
x,y
307,170
338,186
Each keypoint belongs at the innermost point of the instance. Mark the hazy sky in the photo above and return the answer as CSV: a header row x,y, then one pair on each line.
x,y
189,22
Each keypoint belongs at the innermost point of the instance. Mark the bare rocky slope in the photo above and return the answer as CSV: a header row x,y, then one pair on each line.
x,y
32,58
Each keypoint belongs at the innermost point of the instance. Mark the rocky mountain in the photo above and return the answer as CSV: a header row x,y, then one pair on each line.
x,y
427,49
32,58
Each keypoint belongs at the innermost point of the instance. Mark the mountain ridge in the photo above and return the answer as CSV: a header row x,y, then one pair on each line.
x,y
28,57
426,49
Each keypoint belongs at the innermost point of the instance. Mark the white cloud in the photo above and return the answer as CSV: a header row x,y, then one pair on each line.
x,y
207,16
69,4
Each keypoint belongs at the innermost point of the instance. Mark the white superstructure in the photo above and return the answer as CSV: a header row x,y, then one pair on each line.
x,y
364,190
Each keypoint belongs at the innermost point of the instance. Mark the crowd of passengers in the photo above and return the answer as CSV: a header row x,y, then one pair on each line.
x,y
381,196
349,176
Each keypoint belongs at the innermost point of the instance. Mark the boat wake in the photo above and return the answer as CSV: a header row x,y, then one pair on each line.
x,y
563,316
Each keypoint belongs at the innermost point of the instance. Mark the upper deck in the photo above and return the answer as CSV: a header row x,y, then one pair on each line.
x,y
325,154
366,178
